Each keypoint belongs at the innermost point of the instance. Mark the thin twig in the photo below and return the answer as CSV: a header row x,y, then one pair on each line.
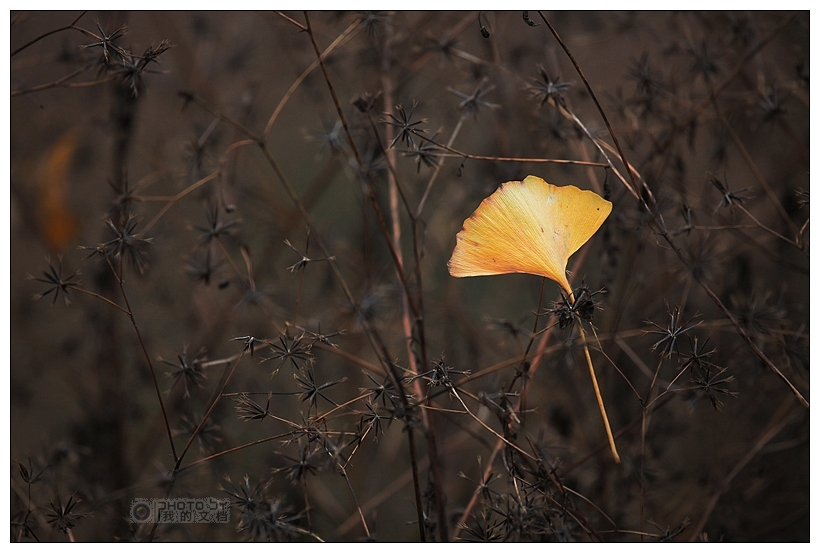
x,y
49,33
217,397
130,312
56,83
346,35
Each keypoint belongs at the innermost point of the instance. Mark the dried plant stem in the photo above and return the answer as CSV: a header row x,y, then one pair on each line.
x,y
102,298
465,516
485,425
346,35
437,170
399,270
769,230
684,122
646,413
523,398
781,211
130,312
343,472
389,491
623,430
58,82
498,444
416,360
370,189
597,104
210,410
234,449
395,228
464,155
648,202
49,33
176,198
779,421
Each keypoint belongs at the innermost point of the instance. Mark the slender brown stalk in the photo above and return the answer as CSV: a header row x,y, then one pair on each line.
x,y
130,312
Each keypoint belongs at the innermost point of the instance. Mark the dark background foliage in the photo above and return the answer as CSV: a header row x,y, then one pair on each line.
x,y
190,182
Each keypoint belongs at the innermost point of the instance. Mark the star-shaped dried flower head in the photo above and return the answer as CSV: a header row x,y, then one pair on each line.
x,y
528,226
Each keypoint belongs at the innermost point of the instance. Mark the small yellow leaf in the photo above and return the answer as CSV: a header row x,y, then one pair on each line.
x,y
528,226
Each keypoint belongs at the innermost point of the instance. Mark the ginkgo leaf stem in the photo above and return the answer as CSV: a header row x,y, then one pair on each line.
x,y
598,396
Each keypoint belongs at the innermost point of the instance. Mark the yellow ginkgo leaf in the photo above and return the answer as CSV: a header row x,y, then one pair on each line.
x,y
528,226
532,226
